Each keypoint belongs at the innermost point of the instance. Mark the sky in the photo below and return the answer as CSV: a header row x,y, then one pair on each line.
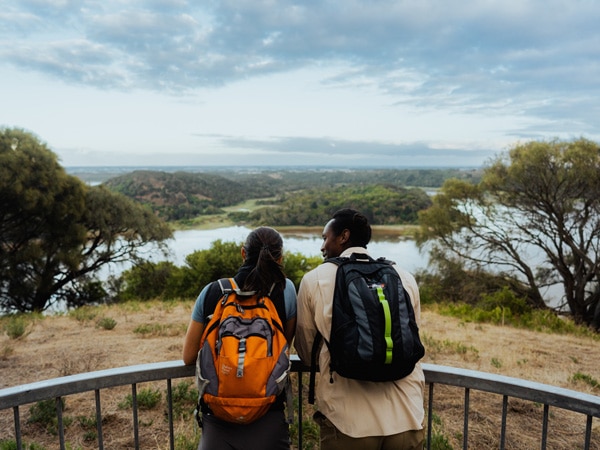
x,y
345,83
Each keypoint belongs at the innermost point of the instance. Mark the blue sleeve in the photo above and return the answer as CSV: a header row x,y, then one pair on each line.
x,y
198,311
289,296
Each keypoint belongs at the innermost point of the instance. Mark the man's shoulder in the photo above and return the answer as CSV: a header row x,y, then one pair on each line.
x,y
322,270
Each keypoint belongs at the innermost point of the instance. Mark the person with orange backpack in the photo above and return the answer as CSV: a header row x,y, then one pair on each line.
x,y
239,337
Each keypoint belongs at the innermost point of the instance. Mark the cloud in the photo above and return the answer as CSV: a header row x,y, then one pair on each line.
x,y
536,62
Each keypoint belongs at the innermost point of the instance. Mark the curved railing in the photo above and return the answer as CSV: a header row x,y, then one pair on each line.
x,y
470,380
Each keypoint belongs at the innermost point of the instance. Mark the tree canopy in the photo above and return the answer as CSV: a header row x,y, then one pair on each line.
x,y
535,214
382,204
56,232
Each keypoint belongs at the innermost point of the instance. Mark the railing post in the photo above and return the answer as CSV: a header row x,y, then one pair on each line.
x,y
17,421
170,414
466,419
503,427
99,420
545,426
134,407
588,433
299,374
61,430
430,416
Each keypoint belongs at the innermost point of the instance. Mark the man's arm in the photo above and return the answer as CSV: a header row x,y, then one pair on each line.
x,y
305,326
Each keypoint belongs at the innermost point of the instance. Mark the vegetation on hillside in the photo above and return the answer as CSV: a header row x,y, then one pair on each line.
x,y
177,196
382,204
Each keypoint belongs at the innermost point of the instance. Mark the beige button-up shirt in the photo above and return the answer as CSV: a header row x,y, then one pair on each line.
x,y
357,408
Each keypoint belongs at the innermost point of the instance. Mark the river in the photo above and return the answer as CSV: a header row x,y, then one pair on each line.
x,y
403,251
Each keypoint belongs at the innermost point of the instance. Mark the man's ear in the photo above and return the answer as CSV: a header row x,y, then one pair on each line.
x,y
345,236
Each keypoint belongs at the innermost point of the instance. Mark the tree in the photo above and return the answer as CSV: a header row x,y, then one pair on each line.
x,y
56,232
535,214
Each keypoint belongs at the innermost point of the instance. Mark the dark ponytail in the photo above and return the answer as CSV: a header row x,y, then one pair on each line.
x,y
264,253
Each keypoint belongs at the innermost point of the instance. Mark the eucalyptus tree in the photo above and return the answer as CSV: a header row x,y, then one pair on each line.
x,y
56,232
535,215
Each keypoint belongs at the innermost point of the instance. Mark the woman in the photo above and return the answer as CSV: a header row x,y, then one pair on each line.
x,y
261,271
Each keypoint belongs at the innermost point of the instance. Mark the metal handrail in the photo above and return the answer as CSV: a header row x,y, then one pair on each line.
x,y
547,395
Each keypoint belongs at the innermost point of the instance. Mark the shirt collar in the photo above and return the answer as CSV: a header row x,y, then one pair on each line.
x,y
351,250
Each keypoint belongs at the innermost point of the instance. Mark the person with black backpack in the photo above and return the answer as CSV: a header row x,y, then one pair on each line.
x,y
358,322
239,338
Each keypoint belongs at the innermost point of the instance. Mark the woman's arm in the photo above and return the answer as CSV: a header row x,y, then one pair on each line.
x,y
191,344
289,330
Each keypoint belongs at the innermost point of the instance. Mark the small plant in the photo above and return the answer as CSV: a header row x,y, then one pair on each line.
x,y
12,445
585,378
496,363
107,323
15,327
183,442
89,425
438,440
185,398
146,399
44,413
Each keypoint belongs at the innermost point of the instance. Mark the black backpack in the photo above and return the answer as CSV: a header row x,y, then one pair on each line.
x,y
374,334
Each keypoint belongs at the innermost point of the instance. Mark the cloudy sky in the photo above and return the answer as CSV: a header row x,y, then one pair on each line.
x,y
334,83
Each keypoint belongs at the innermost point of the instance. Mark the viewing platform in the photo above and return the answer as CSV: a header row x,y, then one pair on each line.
x,y
465,382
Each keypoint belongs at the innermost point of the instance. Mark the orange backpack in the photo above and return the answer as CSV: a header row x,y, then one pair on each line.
x,y
243,362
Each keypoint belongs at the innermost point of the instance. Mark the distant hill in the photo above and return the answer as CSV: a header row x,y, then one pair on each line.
x,y
184,195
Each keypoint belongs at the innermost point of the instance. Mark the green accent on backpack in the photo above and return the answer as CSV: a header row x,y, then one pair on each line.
x,y
387,317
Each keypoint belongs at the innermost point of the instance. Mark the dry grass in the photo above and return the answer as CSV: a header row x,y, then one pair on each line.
x,y
64,345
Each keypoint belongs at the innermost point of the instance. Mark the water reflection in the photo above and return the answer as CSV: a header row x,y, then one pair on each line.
x,y
399,249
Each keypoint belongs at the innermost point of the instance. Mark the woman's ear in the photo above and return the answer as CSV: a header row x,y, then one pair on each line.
x,y
243,253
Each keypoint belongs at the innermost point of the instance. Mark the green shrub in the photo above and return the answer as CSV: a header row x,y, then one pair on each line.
x,y
107,323
44,413
587,379
12,445
146,399
504,299
15,326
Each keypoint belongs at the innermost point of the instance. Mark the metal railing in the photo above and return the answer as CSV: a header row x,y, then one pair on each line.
x,y
470,380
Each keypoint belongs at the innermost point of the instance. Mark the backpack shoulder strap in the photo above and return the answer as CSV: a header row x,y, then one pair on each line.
x,y
216,291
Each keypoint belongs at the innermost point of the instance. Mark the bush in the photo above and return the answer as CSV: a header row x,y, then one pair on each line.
x,y
12,445
15,326
505,299
107,323
44,413
166,281
146,399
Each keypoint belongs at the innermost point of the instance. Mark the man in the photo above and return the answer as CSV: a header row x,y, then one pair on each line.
x,y
356,414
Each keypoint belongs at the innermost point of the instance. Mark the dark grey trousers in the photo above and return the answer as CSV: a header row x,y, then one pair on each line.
x,y
270,432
